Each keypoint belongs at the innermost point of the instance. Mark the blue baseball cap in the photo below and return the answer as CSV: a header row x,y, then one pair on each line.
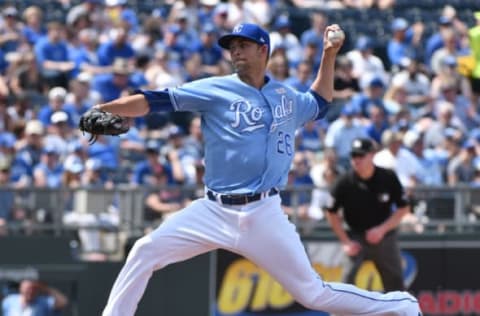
x,y
451,132
399,24
281,22
468,144
51,149
312,39
7,140
444,20
174,28
376,82
349,110
449,60
209,28
248,31
364,43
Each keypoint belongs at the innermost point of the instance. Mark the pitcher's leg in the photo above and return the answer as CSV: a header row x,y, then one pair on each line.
x,y
272,242
188,233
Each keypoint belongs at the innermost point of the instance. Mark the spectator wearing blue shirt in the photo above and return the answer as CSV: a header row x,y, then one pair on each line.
x,y
372,95
144,171
128,16
309,137
176,51
314,35
210,53
188,37
138,77
342,131
297,204
378,123
56,102
28,155
34,298
220,19
310,51
302,79
3,62
48,173
7,144
33,29
404,40
207,11
111,85
95,175
52,57
106,151
117,47
84,53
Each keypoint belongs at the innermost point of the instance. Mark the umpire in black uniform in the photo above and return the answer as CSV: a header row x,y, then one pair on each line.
x,y
373,204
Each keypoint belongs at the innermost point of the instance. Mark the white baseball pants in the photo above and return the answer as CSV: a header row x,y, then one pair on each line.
x,y
262,233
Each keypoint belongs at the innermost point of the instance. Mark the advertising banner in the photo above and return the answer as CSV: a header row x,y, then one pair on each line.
x,y
444,278
243,289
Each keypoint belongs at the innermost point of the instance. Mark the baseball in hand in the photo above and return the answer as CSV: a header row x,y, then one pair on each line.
x,y
335,36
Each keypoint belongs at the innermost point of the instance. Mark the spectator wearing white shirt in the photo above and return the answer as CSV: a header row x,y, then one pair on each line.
x,y
416,84
365,64
436,127
395,157
282,36
433,161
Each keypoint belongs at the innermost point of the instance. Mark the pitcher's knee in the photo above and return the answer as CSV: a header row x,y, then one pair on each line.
x,y
310,299
142,247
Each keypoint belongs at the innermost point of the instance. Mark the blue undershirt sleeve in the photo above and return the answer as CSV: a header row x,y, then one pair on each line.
x,y
323,105
158,101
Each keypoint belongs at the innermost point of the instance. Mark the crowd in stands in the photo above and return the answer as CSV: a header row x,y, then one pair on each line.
x,y
419,102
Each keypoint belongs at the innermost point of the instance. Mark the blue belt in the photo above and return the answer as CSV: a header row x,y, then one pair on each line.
x,y
239,199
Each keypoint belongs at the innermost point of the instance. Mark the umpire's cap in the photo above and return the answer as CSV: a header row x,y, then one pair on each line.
x,y
362,146
248,31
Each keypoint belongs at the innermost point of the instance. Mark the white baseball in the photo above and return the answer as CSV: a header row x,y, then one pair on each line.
x,y
334,36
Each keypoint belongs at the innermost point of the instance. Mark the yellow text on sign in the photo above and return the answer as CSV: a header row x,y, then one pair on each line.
x,y
245,285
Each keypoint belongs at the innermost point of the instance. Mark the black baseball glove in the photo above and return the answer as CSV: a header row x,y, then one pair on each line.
x,y
97,122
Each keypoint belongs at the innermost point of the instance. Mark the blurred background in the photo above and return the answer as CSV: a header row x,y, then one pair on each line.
x,y
408,76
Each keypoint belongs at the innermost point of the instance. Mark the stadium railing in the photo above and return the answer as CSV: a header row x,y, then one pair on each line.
x,y
121,210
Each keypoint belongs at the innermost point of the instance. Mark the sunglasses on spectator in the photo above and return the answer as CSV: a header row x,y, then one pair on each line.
x,y
357,155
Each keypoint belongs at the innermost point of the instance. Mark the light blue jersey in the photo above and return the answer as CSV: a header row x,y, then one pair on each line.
x,y
248,132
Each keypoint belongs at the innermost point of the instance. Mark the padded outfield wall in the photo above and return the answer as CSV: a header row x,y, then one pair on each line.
x,y
442,271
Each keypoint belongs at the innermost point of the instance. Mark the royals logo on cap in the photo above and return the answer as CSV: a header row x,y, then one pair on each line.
x,y
238,29
247,31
